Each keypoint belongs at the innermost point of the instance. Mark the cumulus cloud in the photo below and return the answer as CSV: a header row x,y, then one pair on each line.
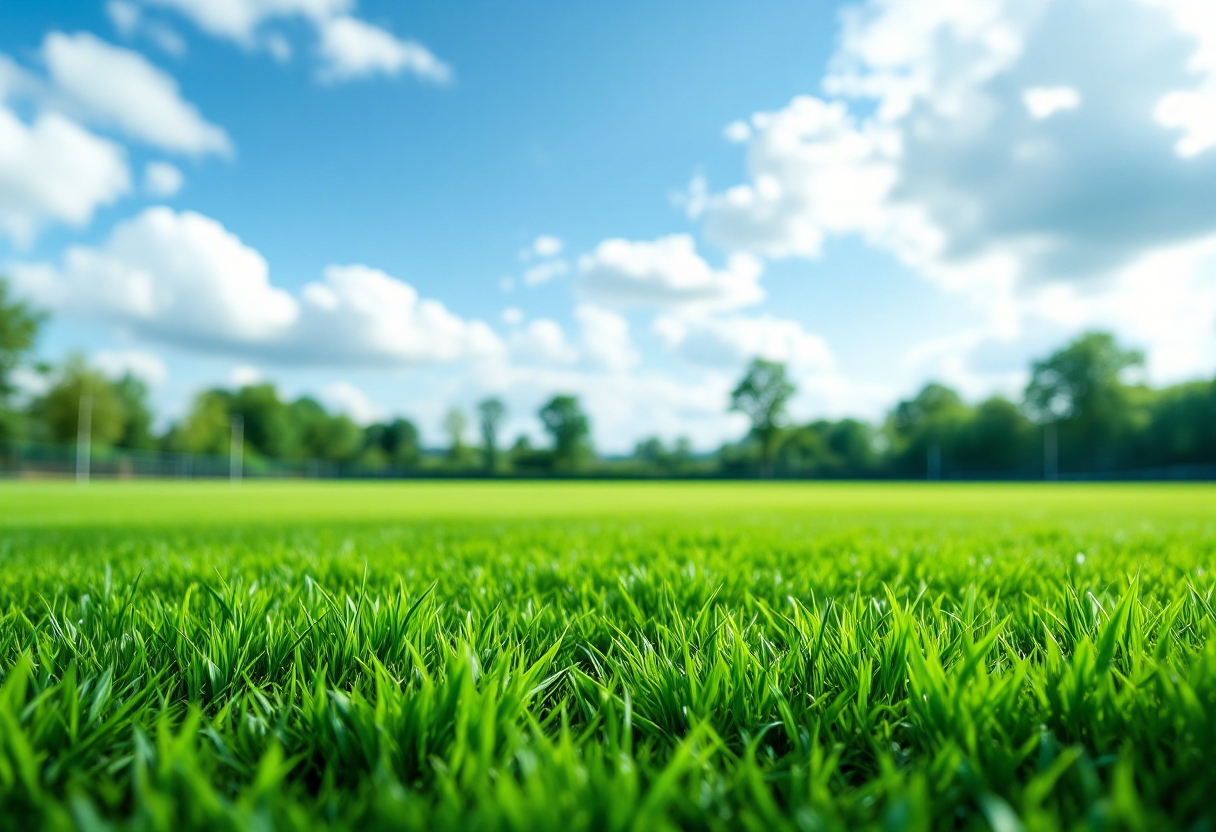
x,y
542,341
1044,102
546,245
129,20
239,20
958,163
731,341
348,47
979,147
120,88
244,375
544,272
352,48
606,341
344,397
125,16
666,273
183,278
162,179
53,170
146,366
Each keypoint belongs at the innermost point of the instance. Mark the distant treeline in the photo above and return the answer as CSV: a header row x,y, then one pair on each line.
x,y
1078,414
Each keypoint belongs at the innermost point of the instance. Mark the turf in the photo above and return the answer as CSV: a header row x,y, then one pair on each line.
x,y
607,656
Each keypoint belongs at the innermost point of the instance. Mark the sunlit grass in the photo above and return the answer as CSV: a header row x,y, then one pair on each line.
x,y
607,656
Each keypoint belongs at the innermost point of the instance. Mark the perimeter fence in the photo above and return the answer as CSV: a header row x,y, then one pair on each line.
x,y
34,461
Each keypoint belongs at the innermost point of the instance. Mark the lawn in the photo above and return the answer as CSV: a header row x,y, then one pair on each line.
x,y
607,656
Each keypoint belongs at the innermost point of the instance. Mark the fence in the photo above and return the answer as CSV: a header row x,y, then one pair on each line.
x,y
41,461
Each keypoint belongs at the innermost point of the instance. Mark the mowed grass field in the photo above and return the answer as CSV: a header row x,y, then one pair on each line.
x,y
570,656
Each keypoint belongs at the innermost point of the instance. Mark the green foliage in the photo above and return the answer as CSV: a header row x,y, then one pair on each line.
x,y
454,424
762,396
396,443
490,413
59,408
570,429
1080,388
19,325
206,428
132,395
646,657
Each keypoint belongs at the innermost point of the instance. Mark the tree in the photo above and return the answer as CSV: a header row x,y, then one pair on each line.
x,y
132,396
762,396
1080,381
207,427
19,325
270,429
929,424
58,409
571,432
401,442
454,424
491,412
1079,390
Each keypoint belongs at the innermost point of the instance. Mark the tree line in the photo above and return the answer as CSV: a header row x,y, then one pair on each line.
x,y
1079,413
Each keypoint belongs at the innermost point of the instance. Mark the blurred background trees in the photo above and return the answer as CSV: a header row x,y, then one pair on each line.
x,y
1087,400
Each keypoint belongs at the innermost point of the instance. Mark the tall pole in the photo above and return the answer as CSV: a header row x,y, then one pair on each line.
x,y
934,462
84,438
1051,453
236,451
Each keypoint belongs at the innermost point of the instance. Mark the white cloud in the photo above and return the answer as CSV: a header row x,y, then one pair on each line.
x,y
278,47
695,199
344,397
544,272
738,132
513,315
120,88
730,342
606,341
145,366
53,170
815,171
352,48
666,273
950,175
245,375
542,341
129,20
183,278
546,245
124,15
162,179
348,47
1044,102
239,20
1192,111
927,152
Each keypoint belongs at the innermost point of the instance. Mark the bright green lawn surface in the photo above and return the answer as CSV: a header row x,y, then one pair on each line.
x,y
167,503
607,656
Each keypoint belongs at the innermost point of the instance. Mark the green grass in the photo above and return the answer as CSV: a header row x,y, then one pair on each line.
x,y
607,656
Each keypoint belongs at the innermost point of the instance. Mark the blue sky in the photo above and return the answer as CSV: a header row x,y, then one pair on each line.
x,y
400,207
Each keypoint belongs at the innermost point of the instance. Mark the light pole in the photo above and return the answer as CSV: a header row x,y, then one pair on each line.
x,y
236,450
84,438
1051,452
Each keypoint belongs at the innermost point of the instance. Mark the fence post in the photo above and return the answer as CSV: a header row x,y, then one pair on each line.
x,y
84,438
237,449
1051,453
